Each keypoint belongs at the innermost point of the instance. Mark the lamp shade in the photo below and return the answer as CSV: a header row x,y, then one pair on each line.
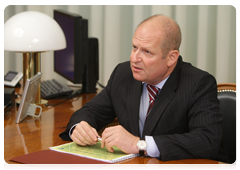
x,y
32,31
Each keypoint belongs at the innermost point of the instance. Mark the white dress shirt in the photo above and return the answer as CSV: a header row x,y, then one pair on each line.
x,y
152,149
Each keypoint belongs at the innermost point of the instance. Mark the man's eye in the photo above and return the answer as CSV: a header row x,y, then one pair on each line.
x,y
134,47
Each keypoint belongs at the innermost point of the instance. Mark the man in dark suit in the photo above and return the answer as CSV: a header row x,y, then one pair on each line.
x,y
183,120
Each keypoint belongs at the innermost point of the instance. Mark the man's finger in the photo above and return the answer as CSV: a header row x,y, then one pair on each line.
x,y
89,134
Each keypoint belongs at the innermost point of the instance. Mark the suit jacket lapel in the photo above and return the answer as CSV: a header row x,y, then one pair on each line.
x,y
134,97
165,96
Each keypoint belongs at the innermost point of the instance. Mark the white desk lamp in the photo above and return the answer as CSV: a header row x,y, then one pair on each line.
x,y
31,33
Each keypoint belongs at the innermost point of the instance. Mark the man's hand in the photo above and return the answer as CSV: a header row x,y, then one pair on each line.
x,y
121,138
84,134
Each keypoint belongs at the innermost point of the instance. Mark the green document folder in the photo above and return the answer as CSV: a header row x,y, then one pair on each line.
x,y
93,152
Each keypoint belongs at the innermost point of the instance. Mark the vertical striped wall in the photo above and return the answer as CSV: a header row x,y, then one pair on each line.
x,y
209,35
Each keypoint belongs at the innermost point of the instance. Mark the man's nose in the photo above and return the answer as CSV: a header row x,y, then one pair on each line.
x,y
136,56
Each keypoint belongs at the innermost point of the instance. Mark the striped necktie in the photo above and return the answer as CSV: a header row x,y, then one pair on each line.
x,y
152,93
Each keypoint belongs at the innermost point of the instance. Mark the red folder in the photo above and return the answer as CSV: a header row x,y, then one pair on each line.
x,y
53,157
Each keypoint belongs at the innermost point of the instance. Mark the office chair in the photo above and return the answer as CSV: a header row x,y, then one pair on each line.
x,y
227,98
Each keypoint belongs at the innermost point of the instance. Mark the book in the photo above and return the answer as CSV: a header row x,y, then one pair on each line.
x,y
93,152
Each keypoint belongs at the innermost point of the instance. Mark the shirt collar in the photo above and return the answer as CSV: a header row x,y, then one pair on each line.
x,y
159,85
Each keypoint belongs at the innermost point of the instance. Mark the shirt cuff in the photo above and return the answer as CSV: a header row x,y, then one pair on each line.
x,y
72,128
152,149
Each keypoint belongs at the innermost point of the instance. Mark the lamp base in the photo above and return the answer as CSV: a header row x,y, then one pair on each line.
x,y
31,66
42,103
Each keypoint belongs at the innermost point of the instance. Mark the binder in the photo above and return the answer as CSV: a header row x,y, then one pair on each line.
x,y
53,157
58,155
93,152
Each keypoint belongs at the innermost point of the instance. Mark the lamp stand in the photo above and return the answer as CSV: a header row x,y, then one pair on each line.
x,y
31,66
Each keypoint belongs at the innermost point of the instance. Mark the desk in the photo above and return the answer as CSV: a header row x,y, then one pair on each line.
x,y
35,134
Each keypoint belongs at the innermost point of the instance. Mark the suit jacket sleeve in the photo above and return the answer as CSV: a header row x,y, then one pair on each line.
x,y
98,112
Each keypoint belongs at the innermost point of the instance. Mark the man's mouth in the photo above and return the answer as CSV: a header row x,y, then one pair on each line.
x,y
136,68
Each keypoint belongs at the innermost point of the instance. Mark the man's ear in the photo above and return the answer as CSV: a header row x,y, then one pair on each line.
x,y
172,57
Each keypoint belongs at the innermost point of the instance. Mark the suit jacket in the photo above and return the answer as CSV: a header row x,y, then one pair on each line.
x,y
185,120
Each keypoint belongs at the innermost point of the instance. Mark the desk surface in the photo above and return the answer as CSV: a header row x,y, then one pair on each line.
x,y
35,134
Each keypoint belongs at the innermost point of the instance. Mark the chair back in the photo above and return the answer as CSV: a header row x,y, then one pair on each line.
x,y
227,98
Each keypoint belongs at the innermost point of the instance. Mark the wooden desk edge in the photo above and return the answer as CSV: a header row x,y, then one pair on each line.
x,y
15,165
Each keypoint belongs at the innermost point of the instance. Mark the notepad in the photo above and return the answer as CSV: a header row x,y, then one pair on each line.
x,y
93,152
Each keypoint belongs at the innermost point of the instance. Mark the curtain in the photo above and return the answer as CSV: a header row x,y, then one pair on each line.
x,y
208,36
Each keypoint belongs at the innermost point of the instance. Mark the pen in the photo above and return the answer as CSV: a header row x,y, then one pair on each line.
x,y
99,139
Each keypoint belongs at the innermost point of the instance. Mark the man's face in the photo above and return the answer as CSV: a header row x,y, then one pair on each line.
x,y
146,58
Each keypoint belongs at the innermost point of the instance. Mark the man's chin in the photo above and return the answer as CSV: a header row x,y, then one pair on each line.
x,y
138,77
